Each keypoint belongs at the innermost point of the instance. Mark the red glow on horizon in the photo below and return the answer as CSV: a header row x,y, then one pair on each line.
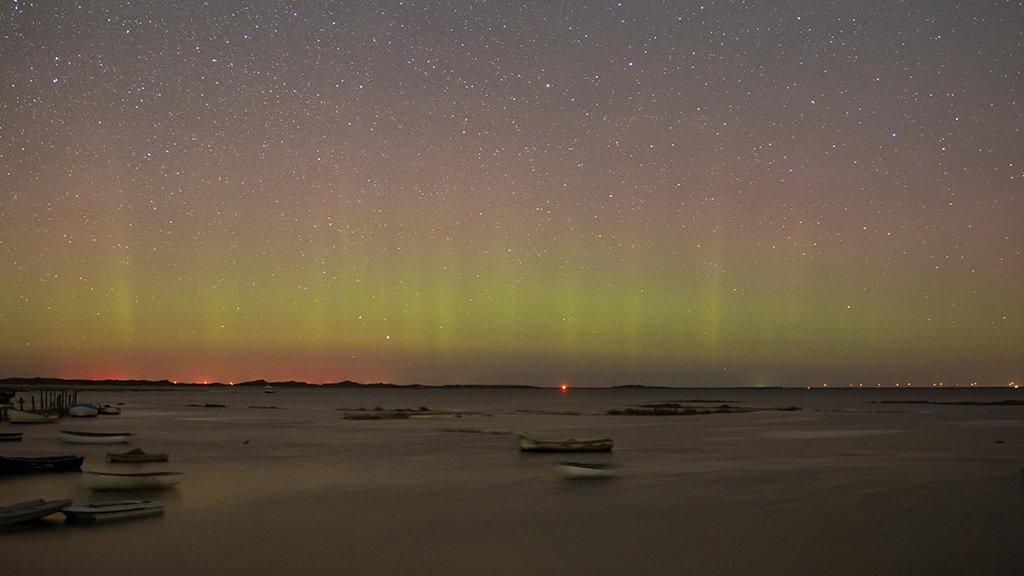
x,y
97,375
564,387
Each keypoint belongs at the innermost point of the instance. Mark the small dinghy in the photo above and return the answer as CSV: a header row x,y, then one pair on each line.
x,y
571,445
16,465
269,389
98,512
30,510
84,410
585,471
130,480
136,455
16,416
75,437
108,410
10,436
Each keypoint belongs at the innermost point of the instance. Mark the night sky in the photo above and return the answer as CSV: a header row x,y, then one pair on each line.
x,y
740,193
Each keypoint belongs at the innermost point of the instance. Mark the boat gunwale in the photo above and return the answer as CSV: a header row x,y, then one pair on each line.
x,y
114,507
587,465
132,474
95,434
137,457
527,444
60,458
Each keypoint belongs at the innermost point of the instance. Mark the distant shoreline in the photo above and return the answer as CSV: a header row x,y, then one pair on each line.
x,y
17,382
75,382
72,382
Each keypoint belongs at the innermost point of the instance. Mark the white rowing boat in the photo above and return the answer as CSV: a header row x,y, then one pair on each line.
x,y
130,480
112,511
109,410
16,416
76,437
84,410
29,510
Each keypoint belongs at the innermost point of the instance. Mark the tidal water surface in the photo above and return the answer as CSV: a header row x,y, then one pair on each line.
x,y
841,486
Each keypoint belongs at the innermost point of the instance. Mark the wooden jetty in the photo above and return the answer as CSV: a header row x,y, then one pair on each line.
x,y
45,401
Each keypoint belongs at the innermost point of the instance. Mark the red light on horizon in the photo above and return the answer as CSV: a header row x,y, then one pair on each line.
x,y
564,387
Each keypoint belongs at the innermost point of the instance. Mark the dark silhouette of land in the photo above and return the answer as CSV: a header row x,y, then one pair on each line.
x,y
71,383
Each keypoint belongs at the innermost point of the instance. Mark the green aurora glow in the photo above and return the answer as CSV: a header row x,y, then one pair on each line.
x,y
525,205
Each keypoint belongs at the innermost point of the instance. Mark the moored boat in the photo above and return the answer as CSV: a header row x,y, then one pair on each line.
x,y
136,455
16,416
108,410
84,410
130,480
76,437
30,510
10,436
112,511
269,389
27,465
585,470
571,445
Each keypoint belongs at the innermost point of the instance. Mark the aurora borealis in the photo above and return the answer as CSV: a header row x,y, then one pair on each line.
x,y
525,193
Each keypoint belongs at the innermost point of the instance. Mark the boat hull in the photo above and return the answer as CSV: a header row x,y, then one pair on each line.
x,y
144,481
30,510
93,438
109,410
83,411
25,417
532,445
112,511
44,464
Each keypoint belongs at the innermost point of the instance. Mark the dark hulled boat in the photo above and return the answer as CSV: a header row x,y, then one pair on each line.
x,y
24,465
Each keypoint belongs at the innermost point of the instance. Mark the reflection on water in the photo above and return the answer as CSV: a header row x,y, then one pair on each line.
x,y
842,486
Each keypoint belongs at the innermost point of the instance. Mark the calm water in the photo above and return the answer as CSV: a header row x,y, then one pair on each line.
x,y
843,486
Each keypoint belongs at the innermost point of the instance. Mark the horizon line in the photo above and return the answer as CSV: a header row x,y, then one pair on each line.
x,y
563,385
